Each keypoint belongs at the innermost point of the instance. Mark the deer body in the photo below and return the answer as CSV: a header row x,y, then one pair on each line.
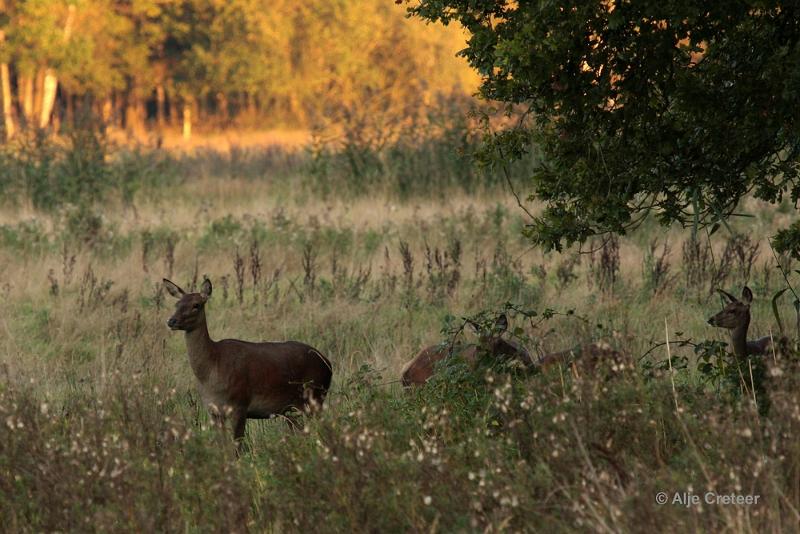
x,y
263,379
587,357
762,345
417,371
735,316
244,379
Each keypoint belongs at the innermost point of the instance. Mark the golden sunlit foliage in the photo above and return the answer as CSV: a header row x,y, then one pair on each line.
x,y
260,63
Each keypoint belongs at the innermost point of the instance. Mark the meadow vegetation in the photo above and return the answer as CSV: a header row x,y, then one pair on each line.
x,y
370,254
389,221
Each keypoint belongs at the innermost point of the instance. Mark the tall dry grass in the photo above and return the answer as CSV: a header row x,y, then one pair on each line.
x,y
102,428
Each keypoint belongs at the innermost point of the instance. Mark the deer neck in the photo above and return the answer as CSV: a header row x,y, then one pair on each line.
x,y
200,348
739,339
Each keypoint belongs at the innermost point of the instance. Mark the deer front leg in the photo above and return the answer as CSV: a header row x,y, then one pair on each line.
x,y
217,415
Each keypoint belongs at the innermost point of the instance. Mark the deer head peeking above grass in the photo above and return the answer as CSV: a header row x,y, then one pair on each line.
x,y
735,316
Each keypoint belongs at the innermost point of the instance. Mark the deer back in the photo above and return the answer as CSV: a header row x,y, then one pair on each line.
x,y
587,357
420,368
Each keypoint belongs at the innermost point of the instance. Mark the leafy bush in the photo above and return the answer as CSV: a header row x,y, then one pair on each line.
x,y
434,155
25,235
52,174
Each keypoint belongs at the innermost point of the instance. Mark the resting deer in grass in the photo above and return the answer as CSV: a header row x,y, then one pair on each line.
x,y
244,379
587,357
735,316
421,368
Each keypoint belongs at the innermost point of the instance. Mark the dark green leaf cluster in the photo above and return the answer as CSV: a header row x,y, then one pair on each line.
x,y
677,108
788,240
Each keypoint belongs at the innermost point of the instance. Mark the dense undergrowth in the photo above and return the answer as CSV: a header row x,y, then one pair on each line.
x,y
468,452
101,428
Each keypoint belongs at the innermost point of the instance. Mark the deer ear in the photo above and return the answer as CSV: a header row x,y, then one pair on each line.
x,y
501,324
205,288
747,295
727,295
173,289
475,326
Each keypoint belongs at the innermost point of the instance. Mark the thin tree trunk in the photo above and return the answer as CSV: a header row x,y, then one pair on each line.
x,y
141,113
57,116
69,112
117,106
133,119
8,113
251,105
5,92
49,90
187,120
107,110
38,93
25,88
222,109
161,106
50,82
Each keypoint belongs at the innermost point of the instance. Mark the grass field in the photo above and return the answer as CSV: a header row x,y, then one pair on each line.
x,y
369,260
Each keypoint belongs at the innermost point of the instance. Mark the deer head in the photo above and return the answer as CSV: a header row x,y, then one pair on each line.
x,y
491,340
735,314
190,309
488,337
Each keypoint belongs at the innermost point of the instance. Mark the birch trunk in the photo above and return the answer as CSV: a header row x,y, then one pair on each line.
x,y
50,82
49,89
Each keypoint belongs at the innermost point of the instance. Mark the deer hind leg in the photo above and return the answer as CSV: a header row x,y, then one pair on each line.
x,y
293,421
239,418
293,417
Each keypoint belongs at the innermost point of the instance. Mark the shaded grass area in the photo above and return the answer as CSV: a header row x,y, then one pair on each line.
x,y
468,452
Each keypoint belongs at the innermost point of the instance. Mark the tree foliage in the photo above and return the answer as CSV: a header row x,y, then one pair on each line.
x,y
265,61
676,108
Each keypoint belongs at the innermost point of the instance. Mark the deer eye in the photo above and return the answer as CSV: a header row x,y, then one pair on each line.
x,y
196,307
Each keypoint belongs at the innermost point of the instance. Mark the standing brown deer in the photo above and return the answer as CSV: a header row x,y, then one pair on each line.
x,y
417,371
244,379
735,316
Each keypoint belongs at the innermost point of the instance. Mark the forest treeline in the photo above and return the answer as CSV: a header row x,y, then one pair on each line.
x,y
147,64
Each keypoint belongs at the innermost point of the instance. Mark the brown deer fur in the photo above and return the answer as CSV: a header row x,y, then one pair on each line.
x,y
417,371
245,380
586,357
735,316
